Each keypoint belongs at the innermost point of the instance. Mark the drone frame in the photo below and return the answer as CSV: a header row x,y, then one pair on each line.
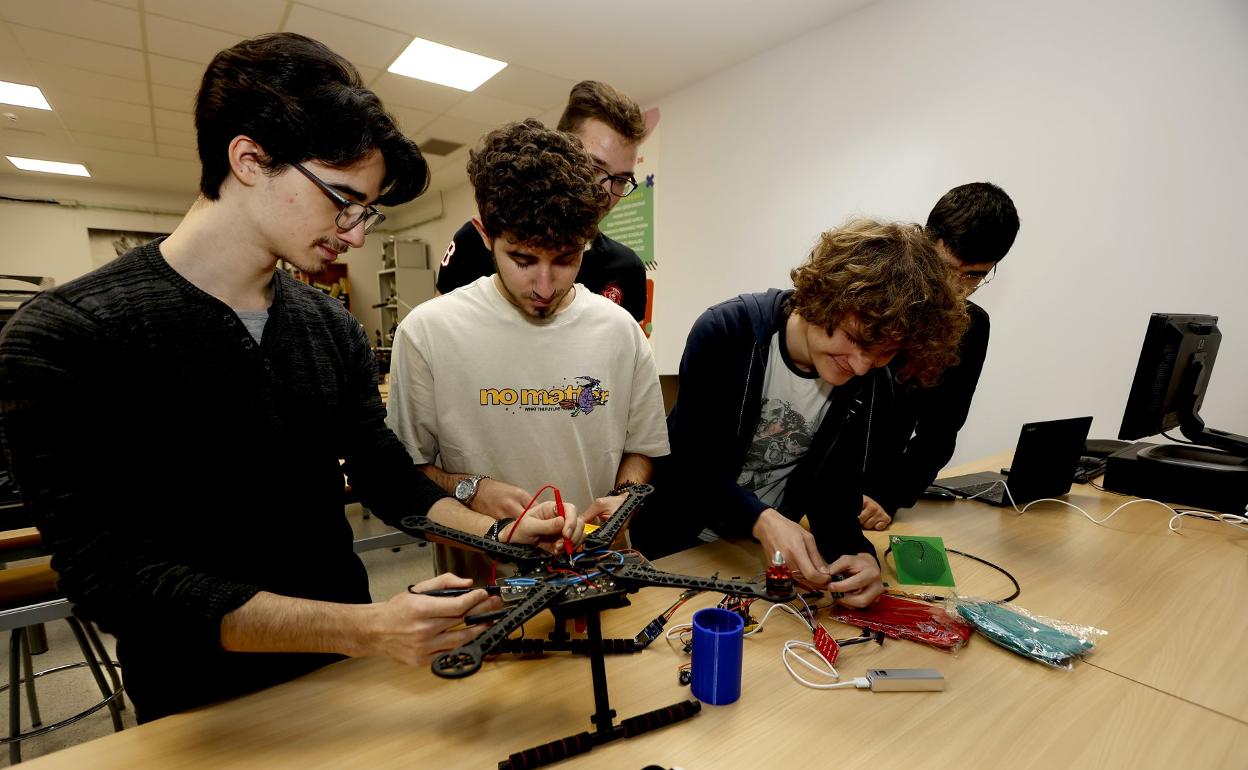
x,y
567,600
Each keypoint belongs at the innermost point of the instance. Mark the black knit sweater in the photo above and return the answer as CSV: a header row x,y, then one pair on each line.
x,y
175,467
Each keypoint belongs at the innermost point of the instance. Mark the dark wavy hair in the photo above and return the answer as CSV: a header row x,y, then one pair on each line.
x,y
536,186
591,99
977,222
889,276
299,101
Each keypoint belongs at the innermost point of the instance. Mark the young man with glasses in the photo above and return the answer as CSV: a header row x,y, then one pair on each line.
x,y
523,378
973,226
176,419
611,128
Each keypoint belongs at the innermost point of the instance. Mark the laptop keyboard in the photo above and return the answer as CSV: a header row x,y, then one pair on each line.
x,y
980,491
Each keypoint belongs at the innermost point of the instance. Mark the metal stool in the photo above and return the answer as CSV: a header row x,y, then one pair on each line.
x,y
28,597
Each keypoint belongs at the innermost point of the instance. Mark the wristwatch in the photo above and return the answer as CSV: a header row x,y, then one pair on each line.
x,y
466,489
497,528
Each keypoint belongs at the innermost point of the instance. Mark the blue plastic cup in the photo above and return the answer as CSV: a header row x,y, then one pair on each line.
x,y
716,666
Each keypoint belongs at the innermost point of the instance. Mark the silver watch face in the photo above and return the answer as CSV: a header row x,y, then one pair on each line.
x,y
464,490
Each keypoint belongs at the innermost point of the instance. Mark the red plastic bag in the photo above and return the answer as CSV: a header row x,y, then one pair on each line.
x,y
901,618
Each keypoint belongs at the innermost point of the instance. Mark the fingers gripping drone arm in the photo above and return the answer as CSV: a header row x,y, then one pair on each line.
x,y
467,659
606,534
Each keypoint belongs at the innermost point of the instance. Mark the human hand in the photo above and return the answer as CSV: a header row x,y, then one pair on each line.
x,y
873,516
863,583
603,508
795,543
543,527
414,629
499,500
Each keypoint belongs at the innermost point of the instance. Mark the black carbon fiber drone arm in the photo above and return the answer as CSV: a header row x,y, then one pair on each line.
x,y
605,535
514,553
467,659
640,575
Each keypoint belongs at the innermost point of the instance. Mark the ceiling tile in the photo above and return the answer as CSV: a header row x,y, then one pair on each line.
x,y
41,45
360,42
28,118
178,121
115,143
67,105
410,92
13,65
186,41
107,127
526,86
175,138
178,99
175,72
243,17
71,80
490,111
149,173
410,121
34,140
180,153
80,18
439,162
455,129
123,3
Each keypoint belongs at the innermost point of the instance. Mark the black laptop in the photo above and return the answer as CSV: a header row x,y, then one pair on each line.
x,y
1044,464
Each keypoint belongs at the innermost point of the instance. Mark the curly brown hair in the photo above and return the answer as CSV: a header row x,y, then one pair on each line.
x,y
591,99
890,278
536,186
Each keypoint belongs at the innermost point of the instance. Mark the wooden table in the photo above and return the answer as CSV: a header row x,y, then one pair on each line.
x,y
1167,687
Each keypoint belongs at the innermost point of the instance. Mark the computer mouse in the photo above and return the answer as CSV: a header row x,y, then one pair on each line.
x,y
936,493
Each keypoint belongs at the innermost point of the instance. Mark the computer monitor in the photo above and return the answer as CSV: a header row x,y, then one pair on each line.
x,y
1176,364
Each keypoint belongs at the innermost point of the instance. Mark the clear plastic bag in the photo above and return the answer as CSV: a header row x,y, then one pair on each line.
x,y
901,618
1052,642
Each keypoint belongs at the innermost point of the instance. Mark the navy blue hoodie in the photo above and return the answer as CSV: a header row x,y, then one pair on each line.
x,y
713,423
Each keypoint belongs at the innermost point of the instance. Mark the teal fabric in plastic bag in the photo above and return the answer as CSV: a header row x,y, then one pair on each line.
x,y
1025,635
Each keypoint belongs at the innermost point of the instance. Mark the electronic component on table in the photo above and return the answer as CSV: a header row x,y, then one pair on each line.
x,y
779,577
1089,468
905,680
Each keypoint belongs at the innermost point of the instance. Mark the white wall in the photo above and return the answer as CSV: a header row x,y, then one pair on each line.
x,y
49,240
1118,128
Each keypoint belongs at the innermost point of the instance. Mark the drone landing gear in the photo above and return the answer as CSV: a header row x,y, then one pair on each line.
x,y
561,641
604,716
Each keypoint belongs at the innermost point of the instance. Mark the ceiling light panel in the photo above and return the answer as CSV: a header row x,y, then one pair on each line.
x,y
441,64
49,166
22,96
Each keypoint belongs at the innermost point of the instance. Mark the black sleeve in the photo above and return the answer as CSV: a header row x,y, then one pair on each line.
x,y
59,425
634,285
465,260
939,413
377,465
703,427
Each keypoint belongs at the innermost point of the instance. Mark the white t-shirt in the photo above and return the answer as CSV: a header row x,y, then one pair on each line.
x,y
793,407
477,387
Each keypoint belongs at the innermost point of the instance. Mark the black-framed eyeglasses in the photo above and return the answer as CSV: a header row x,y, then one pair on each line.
x,y
618,185
973,282
350,213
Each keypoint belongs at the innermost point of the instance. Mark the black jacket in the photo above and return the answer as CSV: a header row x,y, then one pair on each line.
x,y
926,421
713,423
